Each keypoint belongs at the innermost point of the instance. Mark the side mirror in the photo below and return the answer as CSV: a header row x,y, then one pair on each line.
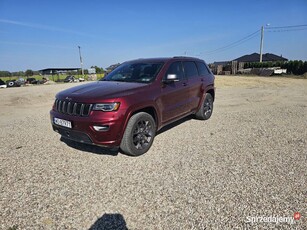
x,y
171,78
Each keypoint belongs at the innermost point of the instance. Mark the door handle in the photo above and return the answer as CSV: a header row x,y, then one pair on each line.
x,y
184,84
201,79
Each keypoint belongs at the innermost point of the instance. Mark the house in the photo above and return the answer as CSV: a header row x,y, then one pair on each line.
x,y
221,67
255,57
237,65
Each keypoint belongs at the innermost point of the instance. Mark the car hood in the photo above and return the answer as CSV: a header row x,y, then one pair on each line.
x,y
100,90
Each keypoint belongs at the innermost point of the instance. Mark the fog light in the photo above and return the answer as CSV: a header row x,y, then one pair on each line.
x,y
101,128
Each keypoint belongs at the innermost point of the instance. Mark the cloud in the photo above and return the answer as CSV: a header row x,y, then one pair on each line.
x,y
42,27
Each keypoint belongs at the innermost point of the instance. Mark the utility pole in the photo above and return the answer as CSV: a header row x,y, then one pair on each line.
x,y
261,43
81,61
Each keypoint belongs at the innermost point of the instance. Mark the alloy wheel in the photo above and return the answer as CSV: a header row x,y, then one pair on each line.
x,y
142,134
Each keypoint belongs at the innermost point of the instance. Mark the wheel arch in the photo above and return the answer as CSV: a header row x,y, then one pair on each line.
x,y
125,144
150,110
212,92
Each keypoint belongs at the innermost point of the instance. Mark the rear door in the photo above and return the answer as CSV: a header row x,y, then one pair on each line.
x,y
195,83
205,74
174,96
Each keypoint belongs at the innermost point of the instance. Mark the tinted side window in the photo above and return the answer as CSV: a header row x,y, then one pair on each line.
x,y
176,68
202,69
190,69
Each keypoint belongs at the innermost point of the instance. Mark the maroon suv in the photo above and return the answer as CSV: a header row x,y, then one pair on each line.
x,y
127,107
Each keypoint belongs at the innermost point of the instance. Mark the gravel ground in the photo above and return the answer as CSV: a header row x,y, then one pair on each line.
x,y
248,160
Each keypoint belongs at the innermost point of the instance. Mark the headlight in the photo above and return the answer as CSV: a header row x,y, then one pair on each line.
x,y
107,107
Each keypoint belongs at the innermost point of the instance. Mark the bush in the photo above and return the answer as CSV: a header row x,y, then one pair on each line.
x,y
293,67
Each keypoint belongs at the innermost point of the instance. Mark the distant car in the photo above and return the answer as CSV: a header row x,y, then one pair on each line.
x,y
69,79
2,84
31,80
43,81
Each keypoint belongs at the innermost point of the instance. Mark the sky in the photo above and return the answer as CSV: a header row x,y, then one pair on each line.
x,y
38,34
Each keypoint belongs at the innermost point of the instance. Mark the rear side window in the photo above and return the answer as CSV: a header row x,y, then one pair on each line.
x,y
176,68
202,69
190,69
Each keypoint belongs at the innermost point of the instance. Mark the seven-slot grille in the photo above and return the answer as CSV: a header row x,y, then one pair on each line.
x,y
73,108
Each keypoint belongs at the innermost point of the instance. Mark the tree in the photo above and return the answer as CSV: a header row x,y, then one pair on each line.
x,y
98,69
29,72
300,67
18,74
5,74
305,67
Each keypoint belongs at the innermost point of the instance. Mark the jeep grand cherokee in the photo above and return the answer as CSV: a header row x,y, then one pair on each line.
x,y
127,107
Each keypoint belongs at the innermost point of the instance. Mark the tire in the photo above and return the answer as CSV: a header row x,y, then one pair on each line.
x,y
10,84
139,134
206,109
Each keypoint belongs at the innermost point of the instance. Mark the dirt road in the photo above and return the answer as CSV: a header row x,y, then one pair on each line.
x,y
245,164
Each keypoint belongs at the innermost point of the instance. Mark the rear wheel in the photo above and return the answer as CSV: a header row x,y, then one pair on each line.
x,y
205,111
139,134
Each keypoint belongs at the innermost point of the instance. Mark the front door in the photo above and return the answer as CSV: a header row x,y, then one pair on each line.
x,y
174,96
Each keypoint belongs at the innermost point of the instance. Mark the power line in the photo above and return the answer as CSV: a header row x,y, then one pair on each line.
x,y
233,44
284,27
255,34
286,30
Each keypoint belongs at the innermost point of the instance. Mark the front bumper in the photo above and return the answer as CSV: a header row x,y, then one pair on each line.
x,y
83,127
72,134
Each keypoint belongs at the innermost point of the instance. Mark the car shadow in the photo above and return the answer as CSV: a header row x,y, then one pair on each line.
x,y
110,222
90,148
115,151
174,124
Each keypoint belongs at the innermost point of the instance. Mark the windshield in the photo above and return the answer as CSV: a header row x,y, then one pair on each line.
x,y
135,72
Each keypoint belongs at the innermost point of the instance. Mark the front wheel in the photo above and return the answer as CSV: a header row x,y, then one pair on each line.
x,y
139,134
205,110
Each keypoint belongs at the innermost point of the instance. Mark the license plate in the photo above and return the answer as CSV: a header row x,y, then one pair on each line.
x,y
62,122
